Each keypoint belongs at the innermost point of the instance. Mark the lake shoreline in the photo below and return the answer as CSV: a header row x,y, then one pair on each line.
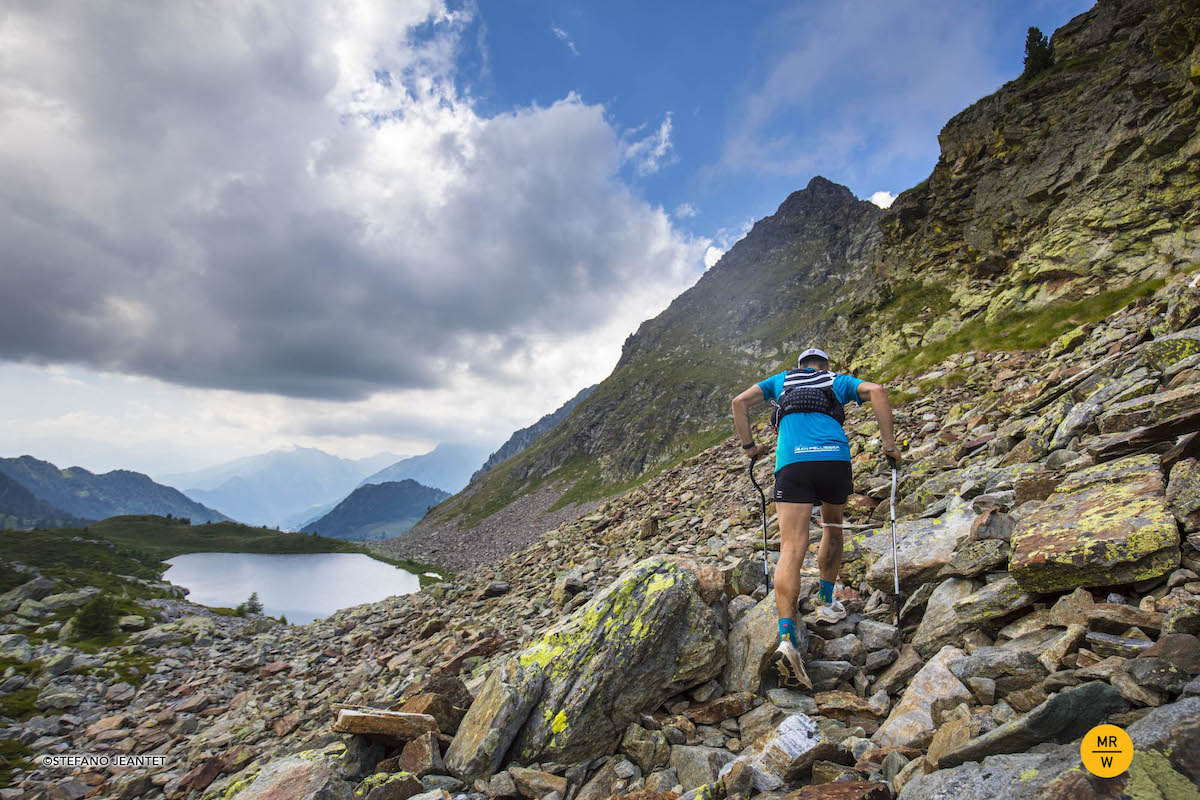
x,y
301,587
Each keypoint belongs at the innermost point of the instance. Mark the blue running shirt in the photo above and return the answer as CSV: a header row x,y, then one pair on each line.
x,y
811,436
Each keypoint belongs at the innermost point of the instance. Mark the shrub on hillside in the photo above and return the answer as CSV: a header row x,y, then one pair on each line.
x,y
97,618
251,606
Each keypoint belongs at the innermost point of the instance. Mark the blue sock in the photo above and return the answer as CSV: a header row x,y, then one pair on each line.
x,y
826,592
787,627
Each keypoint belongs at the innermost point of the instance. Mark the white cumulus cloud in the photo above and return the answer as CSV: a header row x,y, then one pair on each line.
x,y
883,198
300,203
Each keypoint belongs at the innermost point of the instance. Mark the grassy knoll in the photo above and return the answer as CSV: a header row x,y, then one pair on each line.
x,y
161,538
1020,330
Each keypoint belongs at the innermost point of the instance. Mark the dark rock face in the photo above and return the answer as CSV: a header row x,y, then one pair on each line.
x,y
1062,718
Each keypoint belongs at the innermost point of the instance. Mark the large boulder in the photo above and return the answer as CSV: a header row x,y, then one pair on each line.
x,y
940,625
1167,350
312,775
570,696
932,690
752,639
1104,525
923,547
1166,764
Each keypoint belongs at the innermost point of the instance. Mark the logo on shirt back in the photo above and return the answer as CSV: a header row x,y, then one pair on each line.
x,y
825,448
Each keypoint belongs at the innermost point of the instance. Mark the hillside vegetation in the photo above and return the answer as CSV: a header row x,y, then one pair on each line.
x,y
377,511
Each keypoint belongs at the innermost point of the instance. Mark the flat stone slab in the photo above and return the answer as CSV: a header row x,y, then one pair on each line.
x,y
377,722
1149,409
1105,525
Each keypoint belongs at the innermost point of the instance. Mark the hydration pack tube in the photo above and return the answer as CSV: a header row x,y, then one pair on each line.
x,y
808,391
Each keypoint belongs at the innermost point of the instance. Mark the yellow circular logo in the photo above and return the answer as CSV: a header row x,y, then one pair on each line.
x,y
1106,750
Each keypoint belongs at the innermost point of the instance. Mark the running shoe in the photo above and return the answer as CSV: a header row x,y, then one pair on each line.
x,y
829,613
789,666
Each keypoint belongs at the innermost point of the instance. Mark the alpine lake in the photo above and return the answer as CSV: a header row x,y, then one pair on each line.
x,y
303,587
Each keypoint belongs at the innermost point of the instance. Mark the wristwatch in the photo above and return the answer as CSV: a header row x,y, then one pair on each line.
x,y
748,446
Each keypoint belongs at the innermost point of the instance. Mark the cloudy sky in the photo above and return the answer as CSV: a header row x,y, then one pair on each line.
x,y
367,225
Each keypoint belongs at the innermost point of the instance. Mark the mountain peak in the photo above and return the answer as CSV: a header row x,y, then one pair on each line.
x,y
819,196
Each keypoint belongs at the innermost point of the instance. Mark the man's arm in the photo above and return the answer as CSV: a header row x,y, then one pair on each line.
x,y
883,415
741,420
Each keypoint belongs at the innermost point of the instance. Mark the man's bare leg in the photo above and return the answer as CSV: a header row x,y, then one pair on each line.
x,y
788,660
829,556
829,561
793,531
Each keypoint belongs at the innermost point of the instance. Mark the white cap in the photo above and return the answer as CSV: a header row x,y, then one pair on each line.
x,y
812,351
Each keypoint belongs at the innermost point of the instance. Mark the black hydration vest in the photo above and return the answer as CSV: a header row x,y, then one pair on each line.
x,y
810,391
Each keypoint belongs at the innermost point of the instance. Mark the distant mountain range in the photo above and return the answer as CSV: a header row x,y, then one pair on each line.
x,y
76,492
447,467
526,436
378,511
20,509
282,488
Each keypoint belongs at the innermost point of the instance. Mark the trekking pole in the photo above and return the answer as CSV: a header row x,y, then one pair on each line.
x,y
763,498
895,563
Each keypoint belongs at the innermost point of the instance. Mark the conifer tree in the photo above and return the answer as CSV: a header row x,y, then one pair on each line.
x,y
98,617
254,605
1039,55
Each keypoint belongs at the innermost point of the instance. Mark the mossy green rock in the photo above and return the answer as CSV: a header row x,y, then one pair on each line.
x,y
389,786
1149,408
1105,525
996,599
1165,351
571,694
1183,493
311,775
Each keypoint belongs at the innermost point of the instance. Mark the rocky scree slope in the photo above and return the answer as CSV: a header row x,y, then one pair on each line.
x,y
526,436
1081,179
1050,565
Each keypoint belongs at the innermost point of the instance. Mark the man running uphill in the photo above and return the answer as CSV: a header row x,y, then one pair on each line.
x,y
812,466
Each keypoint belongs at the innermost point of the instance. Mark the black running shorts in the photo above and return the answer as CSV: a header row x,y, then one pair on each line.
x,y
814,482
